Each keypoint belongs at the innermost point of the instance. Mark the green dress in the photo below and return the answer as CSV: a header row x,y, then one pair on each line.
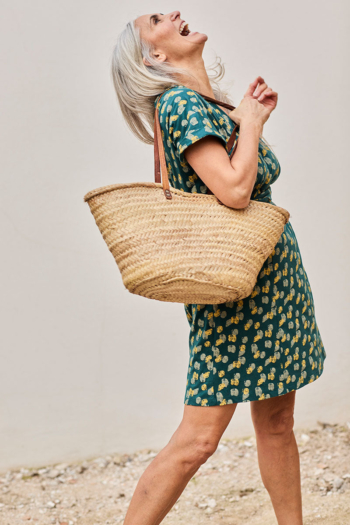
x,y
268,343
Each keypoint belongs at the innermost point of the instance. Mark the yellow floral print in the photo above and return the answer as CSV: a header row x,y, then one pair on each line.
x,y
267,344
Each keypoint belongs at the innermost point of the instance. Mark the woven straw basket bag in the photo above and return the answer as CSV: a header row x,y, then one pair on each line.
x,y
184,247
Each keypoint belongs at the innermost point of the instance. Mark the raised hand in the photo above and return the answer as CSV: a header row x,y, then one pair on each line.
x,y
257,104
259,90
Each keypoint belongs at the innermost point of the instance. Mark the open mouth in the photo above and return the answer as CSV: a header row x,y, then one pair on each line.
x,y
184,29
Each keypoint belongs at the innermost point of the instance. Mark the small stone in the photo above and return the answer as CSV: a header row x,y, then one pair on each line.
x,y
80,469
117,459
53,473
305,438
62,466
30,474
50,505
344,487
328,476
101,462
337,483
211,503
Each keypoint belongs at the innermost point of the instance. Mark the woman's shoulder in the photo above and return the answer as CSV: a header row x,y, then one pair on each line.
x,y
176,100
176,96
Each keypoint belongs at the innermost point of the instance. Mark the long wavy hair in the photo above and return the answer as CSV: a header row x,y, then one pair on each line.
x,y
138,85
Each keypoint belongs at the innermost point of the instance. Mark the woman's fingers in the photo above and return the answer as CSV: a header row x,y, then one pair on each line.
x,y
268,99
264,93
259,90
267,93
252,87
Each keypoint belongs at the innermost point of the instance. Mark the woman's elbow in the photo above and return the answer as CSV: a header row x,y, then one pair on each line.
x,y
238,198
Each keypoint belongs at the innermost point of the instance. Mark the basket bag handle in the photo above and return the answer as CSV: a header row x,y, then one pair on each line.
x,y
159,154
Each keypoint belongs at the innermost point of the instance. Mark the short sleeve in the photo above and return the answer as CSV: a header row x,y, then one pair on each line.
x,y
185,118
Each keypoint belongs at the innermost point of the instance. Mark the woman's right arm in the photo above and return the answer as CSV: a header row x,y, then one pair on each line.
x,y
232,180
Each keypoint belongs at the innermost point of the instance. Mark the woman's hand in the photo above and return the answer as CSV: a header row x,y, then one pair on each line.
x,y
256,106
264,94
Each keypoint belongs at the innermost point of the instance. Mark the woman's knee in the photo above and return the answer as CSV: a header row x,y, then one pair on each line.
x,y
200,431
280,423
203,447
275,419
194,449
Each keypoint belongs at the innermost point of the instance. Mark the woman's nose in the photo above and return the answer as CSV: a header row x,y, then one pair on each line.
x,y
174,15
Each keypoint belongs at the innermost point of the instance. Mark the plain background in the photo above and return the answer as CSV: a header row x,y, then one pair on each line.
x,y
86,367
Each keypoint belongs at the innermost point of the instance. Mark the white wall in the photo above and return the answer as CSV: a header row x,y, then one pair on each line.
x,y
86,367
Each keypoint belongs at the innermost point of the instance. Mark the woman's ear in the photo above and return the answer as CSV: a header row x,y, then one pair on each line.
x,y
160,57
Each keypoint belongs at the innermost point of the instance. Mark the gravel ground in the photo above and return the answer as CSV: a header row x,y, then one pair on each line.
x,y
226,490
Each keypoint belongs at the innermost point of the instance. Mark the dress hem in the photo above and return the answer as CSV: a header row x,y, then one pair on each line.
x,y
231,402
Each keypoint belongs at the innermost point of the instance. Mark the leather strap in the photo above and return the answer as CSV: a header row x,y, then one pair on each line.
x,y
160,168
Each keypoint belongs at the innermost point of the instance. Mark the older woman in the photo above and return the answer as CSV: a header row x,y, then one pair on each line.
x,y
261,349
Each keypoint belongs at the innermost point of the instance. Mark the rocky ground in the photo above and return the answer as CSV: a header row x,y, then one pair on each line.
x,y
226,490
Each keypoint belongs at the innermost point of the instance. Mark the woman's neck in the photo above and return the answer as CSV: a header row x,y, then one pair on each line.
x,y
202,83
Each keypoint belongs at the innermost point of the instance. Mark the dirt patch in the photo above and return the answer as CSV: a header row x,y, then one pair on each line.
x,y
226,490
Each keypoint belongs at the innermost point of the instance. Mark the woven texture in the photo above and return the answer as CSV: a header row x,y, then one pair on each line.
x,y
187,249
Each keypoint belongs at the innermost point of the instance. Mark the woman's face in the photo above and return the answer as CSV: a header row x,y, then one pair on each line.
x,y
163,32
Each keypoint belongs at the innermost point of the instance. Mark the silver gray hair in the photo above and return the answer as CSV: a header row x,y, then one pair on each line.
x,y
138,85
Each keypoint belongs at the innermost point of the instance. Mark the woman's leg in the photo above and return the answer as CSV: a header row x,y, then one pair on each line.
x,y
165,478
278,455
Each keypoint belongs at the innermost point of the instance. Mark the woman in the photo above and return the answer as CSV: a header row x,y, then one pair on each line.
x,y
260,349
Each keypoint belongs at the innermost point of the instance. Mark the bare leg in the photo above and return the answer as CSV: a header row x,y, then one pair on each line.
x,y
165,478
278,456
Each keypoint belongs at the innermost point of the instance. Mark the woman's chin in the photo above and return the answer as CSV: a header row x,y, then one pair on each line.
x,y
197,37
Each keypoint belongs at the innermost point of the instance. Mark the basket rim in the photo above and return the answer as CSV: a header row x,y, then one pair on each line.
x,y
159,185
184,194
